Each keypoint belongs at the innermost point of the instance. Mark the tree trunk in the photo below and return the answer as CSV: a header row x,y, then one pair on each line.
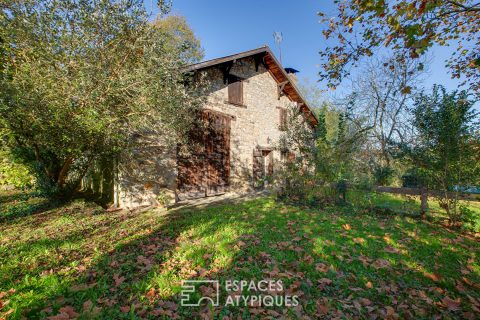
x,y
423,202
62,175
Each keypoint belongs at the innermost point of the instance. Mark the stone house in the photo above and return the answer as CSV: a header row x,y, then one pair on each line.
x,y
246,105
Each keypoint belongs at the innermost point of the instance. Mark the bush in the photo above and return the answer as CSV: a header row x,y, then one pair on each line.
x,y
469,218
383,175
13,173
412,179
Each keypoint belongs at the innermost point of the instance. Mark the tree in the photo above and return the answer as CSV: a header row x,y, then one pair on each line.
x,y
325,155
79,78
13,173
446,145
408,27
380,98
181,37
338,138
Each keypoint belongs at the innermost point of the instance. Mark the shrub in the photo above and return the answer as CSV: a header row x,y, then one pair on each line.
x,y
383,175
14,173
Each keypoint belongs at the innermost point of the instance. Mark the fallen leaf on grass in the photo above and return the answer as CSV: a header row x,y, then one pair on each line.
x,y
470,283
346,226
4,303
151,293
365,301
65,313
358,240
125,309
161,312
390,313
118,280
5,314
321,267
87,305
325,281
82,287
60,316
391,249
322,309
241,244
380,264
369,285
450,304
432,276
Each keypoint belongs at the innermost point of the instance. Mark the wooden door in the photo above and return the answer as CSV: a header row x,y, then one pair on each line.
x,y
206,170
262,166
218,154
190,166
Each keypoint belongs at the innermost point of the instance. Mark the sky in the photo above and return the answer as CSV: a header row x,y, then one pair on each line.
x,y
227,27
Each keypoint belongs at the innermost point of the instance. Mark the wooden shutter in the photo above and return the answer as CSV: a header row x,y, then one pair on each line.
x,y
258,165
291,157
283,119
269,159
235,90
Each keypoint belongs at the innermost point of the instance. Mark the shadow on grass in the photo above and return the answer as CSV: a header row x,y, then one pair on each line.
x,y
15,208
122,277
327,256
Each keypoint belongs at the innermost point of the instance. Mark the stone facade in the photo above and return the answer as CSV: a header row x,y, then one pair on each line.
x,y
150,178
256,125
147,177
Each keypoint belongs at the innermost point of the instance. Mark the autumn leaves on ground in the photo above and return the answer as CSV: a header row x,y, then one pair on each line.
x,y
80,261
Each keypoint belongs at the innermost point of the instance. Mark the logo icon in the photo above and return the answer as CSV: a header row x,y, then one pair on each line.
x,y
192,288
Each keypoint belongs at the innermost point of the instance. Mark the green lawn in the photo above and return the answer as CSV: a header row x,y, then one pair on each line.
x,y
80,261
410,205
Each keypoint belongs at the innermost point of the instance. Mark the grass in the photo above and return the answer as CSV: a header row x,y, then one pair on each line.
x,y
79,260
410,205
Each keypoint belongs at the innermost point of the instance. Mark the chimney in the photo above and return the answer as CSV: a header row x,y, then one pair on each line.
x,y
291,73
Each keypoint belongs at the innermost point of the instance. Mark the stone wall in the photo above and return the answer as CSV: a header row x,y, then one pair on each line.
x,y
149,176
255,125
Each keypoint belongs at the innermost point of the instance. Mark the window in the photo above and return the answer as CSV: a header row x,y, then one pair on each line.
x,y
235,90
283,119
287,156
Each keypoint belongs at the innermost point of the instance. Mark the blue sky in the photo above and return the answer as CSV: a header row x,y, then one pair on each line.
x,y
227,27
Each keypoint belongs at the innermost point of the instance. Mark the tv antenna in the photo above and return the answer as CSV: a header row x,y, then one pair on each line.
x,y
278,37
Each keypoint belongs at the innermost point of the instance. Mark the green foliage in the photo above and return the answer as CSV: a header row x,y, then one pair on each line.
x,y
408,27
413,178
334,156
80,78
470,218
180,38
383,175
13,172
324,158
447,143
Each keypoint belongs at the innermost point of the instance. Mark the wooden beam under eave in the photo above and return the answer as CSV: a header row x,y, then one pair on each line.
x,y
259,59
281,87
225,68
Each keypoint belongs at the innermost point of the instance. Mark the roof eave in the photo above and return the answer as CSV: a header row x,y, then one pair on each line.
x,y
263,49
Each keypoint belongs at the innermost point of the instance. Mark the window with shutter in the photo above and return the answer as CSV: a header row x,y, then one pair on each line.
x,y
235,90
283,119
